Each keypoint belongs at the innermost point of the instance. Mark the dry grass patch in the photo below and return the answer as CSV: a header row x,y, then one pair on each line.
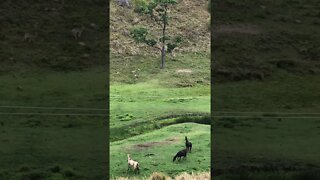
x,y
183,176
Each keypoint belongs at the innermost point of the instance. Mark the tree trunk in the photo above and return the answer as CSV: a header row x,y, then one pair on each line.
x,y
163,53
163,50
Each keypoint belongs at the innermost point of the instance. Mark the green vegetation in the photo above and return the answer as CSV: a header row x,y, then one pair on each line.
x,y
133,107
262,38
142,93
147,102
158,11
155,151
42,65
149,105
189,26
49,146
54,47
266,96
276,140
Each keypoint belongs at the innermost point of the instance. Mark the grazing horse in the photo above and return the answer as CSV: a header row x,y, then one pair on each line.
x,y
133,164
188,144
180,154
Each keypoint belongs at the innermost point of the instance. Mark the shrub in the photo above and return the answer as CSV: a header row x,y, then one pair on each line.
x,y
139,34
69,173
141,6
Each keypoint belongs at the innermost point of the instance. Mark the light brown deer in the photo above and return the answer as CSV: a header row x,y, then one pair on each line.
x,y
77,32
30,37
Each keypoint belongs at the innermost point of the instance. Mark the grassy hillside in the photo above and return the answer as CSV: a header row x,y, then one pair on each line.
x,y
254,40
155,151
72,89
148,104
285,92
141,92
266,96
41,138
136,109
143,96
185,70
54,47
189,19
51,86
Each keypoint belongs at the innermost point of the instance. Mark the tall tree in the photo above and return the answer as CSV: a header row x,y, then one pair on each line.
x,y
158,11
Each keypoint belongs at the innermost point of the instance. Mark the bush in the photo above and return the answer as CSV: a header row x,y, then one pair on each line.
x,y
69,173
141,6
195,119
139,34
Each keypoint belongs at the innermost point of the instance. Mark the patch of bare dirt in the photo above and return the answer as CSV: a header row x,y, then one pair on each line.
x,y
240,28
143,146
184,71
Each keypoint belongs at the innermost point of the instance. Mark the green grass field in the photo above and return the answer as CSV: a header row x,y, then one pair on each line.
x,y
278,135
155,151
266,70
150,106
146,101
51,146
142,101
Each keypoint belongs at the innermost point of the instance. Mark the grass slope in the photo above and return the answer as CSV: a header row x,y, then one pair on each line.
x,y
53,146
142,95
152,101
164,144
54,70
54,47
189,19
284,92
268,142
253,40
267,61
145,100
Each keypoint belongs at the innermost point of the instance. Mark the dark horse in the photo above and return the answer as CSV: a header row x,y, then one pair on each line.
x,y
188,145
182,153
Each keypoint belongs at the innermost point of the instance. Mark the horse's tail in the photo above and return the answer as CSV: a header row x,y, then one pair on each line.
x,y
174,158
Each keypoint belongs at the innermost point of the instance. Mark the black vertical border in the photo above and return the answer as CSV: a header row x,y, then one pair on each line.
x,y
107,27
